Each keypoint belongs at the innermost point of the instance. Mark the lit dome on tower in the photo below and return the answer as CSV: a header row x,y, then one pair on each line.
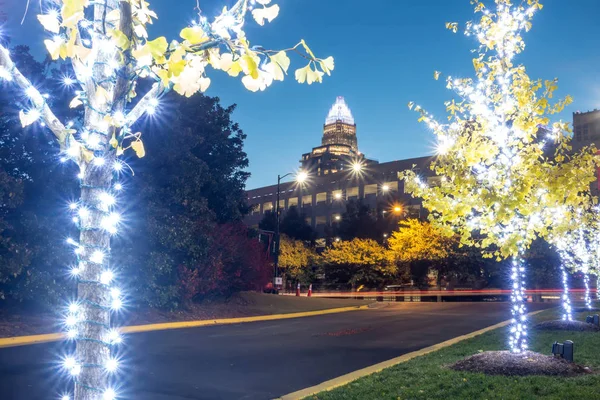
x,y
339,112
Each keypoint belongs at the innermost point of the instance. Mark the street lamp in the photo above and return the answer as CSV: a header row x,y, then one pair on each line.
x,y
357,166
338,195
385,188
397,209
301,177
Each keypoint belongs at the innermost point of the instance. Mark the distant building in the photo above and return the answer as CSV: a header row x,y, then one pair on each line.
x,y
586,129
339,172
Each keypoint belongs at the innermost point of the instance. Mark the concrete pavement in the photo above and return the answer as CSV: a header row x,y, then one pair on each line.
x,y
261,360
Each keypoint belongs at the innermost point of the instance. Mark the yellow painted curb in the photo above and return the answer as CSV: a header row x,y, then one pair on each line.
x,y
352,376
53,337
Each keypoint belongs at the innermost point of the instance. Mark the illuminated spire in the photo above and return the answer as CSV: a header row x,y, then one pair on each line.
x,y
339,112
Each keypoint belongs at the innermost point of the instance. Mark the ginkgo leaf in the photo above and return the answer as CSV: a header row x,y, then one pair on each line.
x,y
268,13
251,65
308,75
50,22
411,104
453,26
102,95
71,7
158,47
436,75
120,39
113,141
263,2
194,35
54,47
235,69
138,147
140,31
28,118
72,21
327,65
76,102
281,63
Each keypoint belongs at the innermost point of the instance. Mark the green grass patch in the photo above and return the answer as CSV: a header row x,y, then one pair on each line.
x,y
427,378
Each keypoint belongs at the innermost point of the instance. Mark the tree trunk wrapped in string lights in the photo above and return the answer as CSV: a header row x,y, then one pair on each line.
x,y
107,43
506,177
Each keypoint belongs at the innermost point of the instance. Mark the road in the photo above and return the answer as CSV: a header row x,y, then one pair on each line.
x,y
256,361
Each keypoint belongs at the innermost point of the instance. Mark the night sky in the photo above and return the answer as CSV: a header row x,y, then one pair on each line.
x,y
385,54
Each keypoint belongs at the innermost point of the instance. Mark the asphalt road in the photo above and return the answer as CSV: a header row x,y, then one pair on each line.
x,y
260,360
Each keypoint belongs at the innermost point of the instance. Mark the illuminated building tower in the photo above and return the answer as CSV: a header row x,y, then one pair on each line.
x,y
339,146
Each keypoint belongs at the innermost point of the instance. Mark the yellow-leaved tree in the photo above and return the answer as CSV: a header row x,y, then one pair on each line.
x,y
506,173
358,262
110,51
420,245
297,259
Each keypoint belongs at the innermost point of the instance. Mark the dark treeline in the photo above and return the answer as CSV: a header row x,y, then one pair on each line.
x,y
182,236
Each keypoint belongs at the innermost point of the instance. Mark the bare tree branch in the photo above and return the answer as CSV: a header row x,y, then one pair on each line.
x,y
57,127
145,103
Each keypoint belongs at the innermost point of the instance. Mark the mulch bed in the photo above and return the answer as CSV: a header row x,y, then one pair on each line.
x,y
511,364
560,325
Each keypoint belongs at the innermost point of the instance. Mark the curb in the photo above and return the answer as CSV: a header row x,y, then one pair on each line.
x,y
352,376
53,337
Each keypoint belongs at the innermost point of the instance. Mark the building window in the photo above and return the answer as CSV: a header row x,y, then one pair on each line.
x,y
292,202
321,198
256,209
371,189
321,220
434,181
389,187
308,220
352,192
281,204
307,200
267,207
413,211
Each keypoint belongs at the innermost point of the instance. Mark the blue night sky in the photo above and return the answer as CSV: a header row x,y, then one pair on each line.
x,y
385,54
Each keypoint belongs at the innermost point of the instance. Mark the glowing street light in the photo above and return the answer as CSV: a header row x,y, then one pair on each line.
x,y
357,166
337,217
385,188
397,209
300,177
337,195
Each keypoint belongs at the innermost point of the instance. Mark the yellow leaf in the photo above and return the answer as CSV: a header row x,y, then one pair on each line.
x,y
268,13
53,47
138,147
119,151
436,75
75,103
327,65
120,39
102,95
158,47
453,26
281,63
49,22
194,35
251,65
72,7
235,69
28,118
411,104
113,141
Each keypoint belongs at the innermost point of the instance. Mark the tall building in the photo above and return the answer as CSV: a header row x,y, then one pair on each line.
x,y
339,146
339,173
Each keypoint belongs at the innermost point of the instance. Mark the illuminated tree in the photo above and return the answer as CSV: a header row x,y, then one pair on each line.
x,y
579,250
295,258
499,188
420,245
108,45
358,261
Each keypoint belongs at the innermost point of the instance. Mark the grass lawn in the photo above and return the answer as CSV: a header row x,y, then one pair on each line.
x,y
426,377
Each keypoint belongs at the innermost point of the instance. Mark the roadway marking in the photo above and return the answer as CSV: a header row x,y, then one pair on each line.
x,y
54,337
352,376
